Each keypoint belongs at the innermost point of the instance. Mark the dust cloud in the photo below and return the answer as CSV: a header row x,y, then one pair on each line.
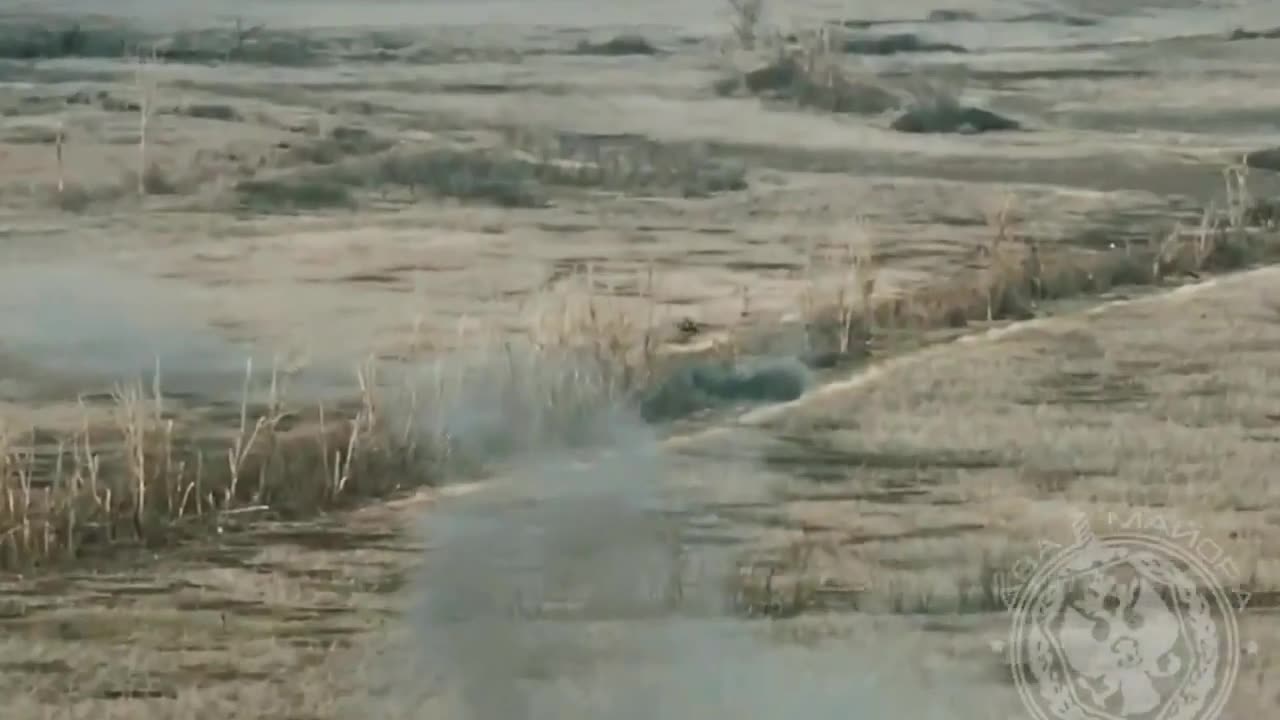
x,y
570,590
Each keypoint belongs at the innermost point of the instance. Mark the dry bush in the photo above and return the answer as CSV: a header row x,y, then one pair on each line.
x,y
813,75
146,478
836,300
1013,273
565,380
519,176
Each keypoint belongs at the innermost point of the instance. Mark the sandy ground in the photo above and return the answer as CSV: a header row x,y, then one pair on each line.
x,y
894,496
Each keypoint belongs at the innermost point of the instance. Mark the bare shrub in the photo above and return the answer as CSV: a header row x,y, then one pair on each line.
x,y
814,76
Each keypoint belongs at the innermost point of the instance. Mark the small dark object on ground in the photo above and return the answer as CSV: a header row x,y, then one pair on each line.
x,y
1263,212
1268,159
291,195
947,118
832,359
894,44
702,385
766,383
774,77
1055,18
111,103
620,45
225,113
952,16
1242,34
689,327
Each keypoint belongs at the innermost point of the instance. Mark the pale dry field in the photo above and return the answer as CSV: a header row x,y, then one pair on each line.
x,y
890,499
1110,156
344,202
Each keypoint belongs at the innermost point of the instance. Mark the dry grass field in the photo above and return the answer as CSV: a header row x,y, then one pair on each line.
x,y
587,360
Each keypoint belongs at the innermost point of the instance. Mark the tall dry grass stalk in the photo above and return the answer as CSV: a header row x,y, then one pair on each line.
x,y
838,288
146,85
1002,264
583,314
58,143
143,476
817,57
1236,179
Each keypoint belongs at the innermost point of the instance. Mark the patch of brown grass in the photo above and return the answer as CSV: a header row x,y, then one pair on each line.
x,y
1013,274
152,477
146,478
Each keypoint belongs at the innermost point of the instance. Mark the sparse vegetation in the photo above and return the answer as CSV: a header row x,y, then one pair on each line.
x,y
507,177
341,143
149,478
143,479
843,312
803,274
41,39
812,76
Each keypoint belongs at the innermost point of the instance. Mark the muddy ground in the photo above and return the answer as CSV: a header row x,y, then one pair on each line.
x,y
325,183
